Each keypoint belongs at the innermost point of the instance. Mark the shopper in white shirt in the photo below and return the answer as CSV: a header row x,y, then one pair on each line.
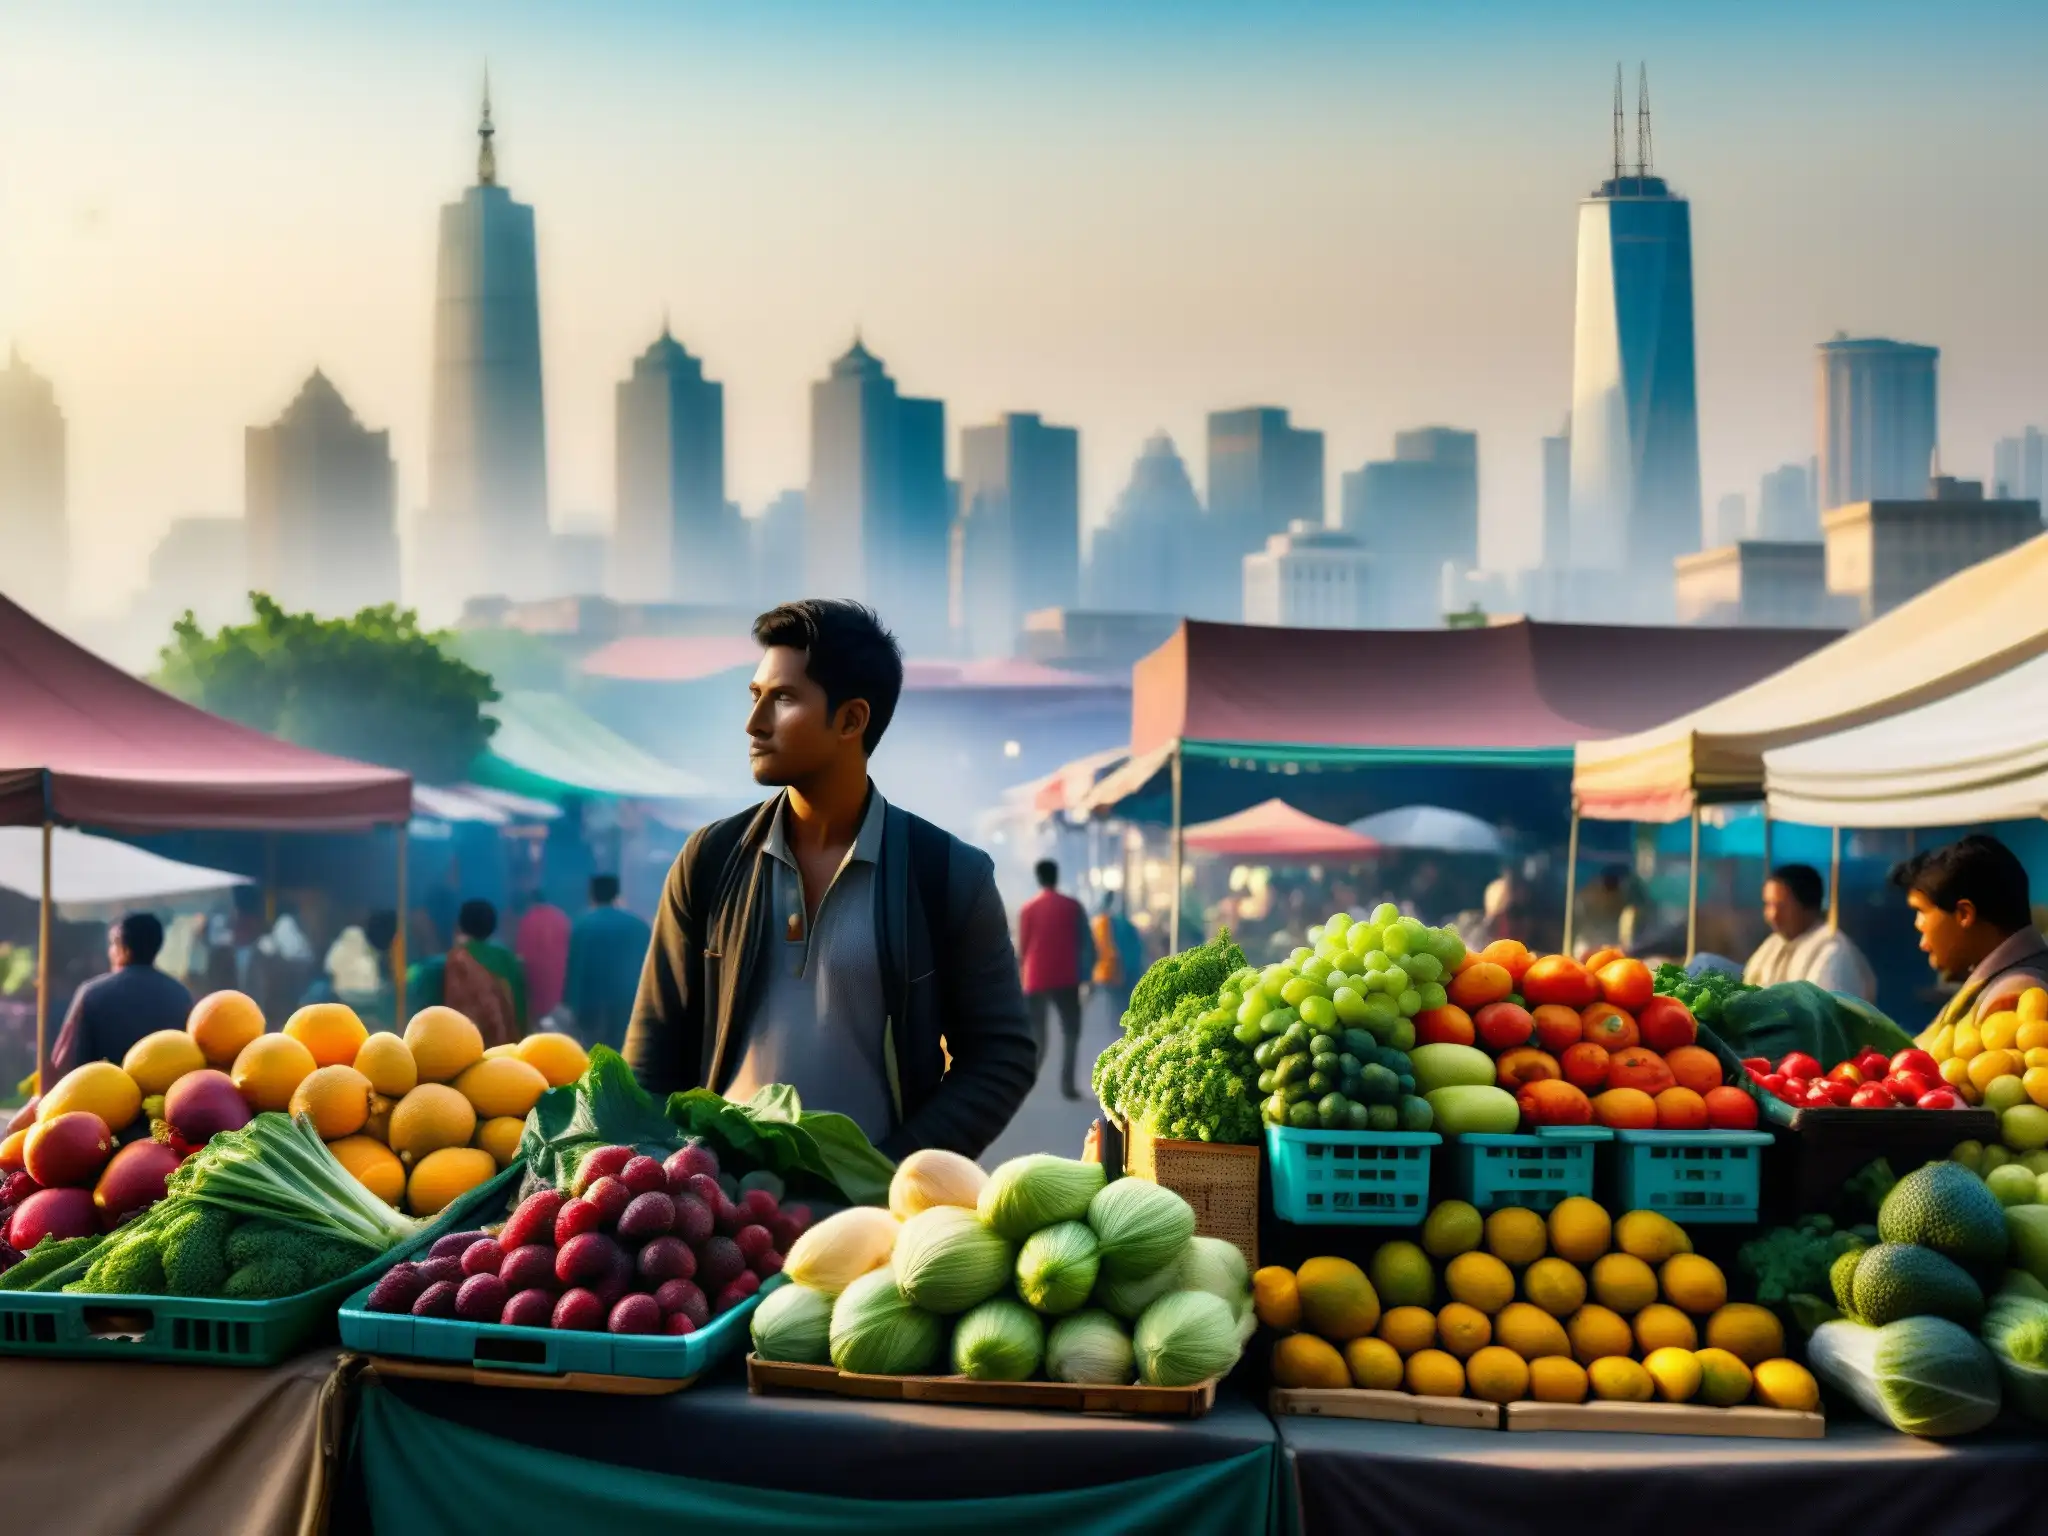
x,y
1803,946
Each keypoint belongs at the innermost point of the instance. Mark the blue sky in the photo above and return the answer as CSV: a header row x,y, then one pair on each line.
x,y
1122,216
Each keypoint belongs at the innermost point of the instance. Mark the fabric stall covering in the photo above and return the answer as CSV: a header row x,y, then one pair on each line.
x,y
83,743
1398,1479
1430,829
475,803
1980,755
109,1448
545,746
429,1457
1974,626
1276,830
1065,788
94,871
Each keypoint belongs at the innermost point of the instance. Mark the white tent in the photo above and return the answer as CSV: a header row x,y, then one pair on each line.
x,y
88,871
1976,756
1430,828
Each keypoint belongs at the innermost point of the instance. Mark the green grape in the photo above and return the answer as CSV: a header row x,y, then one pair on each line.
x,y
1396,942
1409,1002
1319,1012
1380,1010
1320,1083
1229,999
1402,1037
1315,933
1298,954
1334,1112
1302,1115
1299,988
1450,949
1315,968
1275,1109
1280,1021
1350,1005
1292,1069
1423,966
1433,996
1383,1117
1338,925
1266,1083
1247,1034
1358,1117
1321,1043
1256,1006
1349,1061
1265,1053
1385,913
1397,979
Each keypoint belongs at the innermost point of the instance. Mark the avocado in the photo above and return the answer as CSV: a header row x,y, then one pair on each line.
x,y
1896,1280
1842,1280
1945,1207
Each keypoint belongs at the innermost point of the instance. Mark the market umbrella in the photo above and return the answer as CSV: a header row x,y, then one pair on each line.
x,y
1274,829
1430,828
96,871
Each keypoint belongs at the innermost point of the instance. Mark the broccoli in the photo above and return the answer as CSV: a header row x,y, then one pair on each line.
x,y
265,1280
1705,994
131,1263
46,1259
1794,1260
195,1250
271,1258
1199,973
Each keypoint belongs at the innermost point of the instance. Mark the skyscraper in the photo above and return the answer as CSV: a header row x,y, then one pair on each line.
x,y
487,474
1149,553
775,550
1730,523
1017,539
319,506
1877,420
878,510
1416,513
2017,467
675,538
1557,499
1310,577
34,570
1265,475
1635,492
1785,511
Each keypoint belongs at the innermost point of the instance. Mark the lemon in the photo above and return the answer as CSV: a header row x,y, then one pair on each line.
x,y
2033,1034
504,1087
2036,1084
1752,1334
1480,1280
1956,1072
556,1056
2000,1031
1580,1229
1650,1236
1402,1276
1676,1372
1408,1329
1275,1297
499,1052
1463,1329
445,1176
1618,1379
1432,1373
1692,1283
270,1069
372,1165
1530,1331
158,1060
1496,1374
1786,1384
1515,1236
1967,1042
1991,1065
2002,1093
336,1099
444,1043
1555,1286
1624,1283
385,1061
1724,1380
1374,1364
331,1031
1557,1379
1303,1360
1662,1326
1596,1333
1454,1227
431,1117
500,1137
2032,1006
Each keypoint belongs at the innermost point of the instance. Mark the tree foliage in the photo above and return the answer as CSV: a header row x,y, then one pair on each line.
x,y
375,687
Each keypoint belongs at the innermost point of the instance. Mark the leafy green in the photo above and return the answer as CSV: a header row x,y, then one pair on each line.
x,y
1193,973
49,1257
1706,994
1786,1261
1921,1375
1799,1016
2016,1332
278,1168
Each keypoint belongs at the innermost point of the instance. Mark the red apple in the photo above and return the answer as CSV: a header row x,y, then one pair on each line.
x,y
1912,1086
1847,1072
1940,1098
1840,1093
1503,1026
1873,1096
1872,1064
1799,1064
1916,1060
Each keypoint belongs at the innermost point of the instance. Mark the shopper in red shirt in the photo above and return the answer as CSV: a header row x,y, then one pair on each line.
x,y
1054,952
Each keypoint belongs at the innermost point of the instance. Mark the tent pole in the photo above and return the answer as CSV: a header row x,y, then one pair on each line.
x,y
1571,874
1767,839
1179,856
269,879
1692,890
398,1019
43,926
1835,881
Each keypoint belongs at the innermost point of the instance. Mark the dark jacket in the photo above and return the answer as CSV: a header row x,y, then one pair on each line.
x,y
111,1012
961,1052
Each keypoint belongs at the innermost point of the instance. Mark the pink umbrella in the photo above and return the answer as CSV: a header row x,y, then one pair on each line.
x,y
1276,830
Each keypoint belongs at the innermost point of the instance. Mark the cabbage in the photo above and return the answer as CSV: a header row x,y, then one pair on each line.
x,y
1028,1193
877,1332
946,1260
1128,1299
1057,1267
794,1323
1921,1375
1089,1349
2016,1331
1000,1340
1141,1226
933,1176
840,1249
1184,1338
1217,1267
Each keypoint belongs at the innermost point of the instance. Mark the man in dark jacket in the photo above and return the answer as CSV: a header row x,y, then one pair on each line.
x,y
827,939
110,1013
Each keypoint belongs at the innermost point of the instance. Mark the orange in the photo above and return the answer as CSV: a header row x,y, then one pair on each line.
x,y
1680,1109
335,1099
557,1057
443,1043
270,1069
222,1023
1625,1109
1561,980
1625,983
1478,985
1605,1024
1511,955
1694,1067
331,1031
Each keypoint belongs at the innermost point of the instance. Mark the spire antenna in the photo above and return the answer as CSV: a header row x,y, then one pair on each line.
x,y
1619,157
486,156
1645,160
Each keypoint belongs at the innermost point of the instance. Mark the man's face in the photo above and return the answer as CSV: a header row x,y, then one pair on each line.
x,y
117,952
1787,915
1949,939
792,735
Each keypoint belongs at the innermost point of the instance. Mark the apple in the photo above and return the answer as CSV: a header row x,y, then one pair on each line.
x,y
1916,1060
1665,1024
1912,1086
1847,1072
1799,1064
1940,1098
1840,1093
1872,1064
1503,1026
1873,1096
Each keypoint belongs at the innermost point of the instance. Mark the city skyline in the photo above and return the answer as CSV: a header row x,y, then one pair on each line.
x,y
1080,294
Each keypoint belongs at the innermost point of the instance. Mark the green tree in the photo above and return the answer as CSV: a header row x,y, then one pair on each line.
x,y
375,687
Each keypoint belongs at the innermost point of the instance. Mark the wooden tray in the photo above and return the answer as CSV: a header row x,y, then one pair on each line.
x,y
1667,1419
1386,1407
1056,1396
568,1381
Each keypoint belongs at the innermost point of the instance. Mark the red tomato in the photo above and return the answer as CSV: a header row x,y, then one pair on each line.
x,y
1848,1072
1873,1096
1872,1064
1799,1064
1756,1066
1775,1083
1842,1093
1912,1086
1940,1098
1916,1061
1796,1086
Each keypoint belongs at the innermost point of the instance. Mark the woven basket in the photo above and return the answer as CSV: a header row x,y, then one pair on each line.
x,y
1221,1183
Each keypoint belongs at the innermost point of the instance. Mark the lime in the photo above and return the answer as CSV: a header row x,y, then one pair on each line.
x,y
1402,1276
2002,1093
2013,1185
2024,1127
1454,1227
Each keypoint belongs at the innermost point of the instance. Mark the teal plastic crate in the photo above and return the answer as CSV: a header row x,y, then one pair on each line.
x,y
1536,1171
548,1351
198,1331
1691,1176
1350,1178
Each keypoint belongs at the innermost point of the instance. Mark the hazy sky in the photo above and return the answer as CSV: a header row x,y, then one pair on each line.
x,y
1121,216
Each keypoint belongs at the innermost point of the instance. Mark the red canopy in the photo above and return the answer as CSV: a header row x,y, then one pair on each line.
x,y
1512,685
82,742
1274,829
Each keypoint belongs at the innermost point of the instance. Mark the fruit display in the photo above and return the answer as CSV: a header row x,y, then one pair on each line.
x,y
1042,1269
1909,1079
632,1246
2001,1064
1516,1306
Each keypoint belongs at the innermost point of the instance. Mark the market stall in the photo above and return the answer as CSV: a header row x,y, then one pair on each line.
x,y
1273,829
88,871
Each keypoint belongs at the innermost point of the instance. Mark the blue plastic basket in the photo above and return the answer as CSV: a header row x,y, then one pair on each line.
x,y
1690,1176
1350,1178
498,1347
1536,1171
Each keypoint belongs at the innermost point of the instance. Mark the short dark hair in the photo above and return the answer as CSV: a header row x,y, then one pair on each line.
x,y
381,928
1978,869
1048,873
477,919
141,935
1803,883
604,890
847,652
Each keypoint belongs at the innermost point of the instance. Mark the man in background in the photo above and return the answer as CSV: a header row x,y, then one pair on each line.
x,y
1975,917
1054,951
541,941
482,980
110,1013
607,948
1802,946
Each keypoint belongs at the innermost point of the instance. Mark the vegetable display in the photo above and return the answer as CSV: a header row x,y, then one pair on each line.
x,y
1706,994
1178,1070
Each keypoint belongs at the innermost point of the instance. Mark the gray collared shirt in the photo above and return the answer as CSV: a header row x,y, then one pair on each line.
x,y
817,1017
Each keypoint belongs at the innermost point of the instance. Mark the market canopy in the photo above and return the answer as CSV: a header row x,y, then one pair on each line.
x,y
546,746
82,742
1276,830
96,871
1977,624
1431,829
476,803
1977,756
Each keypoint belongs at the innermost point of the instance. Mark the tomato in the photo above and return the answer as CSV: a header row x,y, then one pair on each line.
x,y
1774,1083
1799,1064
1757,1066
1873,1096
1817,1096
1796,1086
1848,1072
1916,1060
1940,1098
1872,1064
1911,1086
1842,1093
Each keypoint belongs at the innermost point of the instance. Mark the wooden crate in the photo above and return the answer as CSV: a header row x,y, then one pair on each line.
x,y
1056,1396
567,1381
1220,1181
1385,1407
1667,1419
